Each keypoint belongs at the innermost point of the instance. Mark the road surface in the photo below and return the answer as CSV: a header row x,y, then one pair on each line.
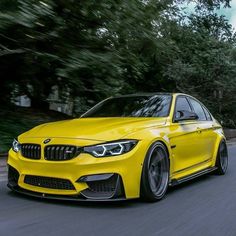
x,y
206,206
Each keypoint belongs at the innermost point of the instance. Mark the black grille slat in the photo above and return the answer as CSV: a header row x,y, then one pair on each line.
x,y
47,153
52,153
57,155
31,151
60,152
25,151
61,155
49,182
34,152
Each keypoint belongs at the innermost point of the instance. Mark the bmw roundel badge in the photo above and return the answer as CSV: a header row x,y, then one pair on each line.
x,y
46,141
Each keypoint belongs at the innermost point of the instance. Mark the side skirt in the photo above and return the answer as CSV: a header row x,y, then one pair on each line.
x,y
175,182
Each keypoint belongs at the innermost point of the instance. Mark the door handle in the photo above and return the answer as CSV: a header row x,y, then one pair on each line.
x,y
199,130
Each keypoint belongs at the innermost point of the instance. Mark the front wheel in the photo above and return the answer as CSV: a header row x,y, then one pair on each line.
x,y
222,158
155,174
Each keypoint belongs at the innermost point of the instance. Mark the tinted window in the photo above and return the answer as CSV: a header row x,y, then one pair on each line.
x,y
208,115
133,106
197,109
182,104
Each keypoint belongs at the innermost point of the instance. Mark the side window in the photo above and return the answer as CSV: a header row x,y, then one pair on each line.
x,y
198,109
208,115
182,104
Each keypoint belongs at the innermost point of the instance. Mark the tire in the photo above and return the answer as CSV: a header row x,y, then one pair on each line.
x,y
155,173
222,158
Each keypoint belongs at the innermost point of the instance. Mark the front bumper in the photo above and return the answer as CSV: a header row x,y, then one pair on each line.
x,y
124,182
20,190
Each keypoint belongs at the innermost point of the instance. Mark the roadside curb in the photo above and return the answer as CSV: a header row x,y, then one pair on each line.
x,y
231,143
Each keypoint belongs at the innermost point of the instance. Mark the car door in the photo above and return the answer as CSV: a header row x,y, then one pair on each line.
x,y
185,140
205,128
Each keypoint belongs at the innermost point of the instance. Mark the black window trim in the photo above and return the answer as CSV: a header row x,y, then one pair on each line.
x,y
202,106
171,100
178,96
187,98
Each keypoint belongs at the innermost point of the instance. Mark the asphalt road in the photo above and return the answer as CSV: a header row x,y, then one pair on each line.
x,y
206,206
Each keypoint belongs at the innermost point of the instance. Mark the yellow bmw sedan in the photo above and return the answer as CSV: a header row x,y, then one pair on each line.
x,y
123,148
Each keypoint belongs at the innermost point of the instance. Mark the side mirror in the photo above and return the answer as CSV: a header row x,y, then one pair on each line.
x,y
185,115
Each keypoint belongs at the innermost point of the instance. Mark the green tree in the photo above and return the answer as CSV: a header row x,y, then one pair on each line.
x,y
95,49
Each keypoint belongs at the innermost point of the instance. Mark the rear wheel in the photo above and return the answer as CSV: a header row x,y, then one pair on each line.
x,y
155,174
222,158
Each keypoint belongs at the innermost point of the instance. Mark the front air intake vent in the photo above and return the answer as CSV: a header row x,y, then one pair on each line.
x,y
49,182
111,187
13,176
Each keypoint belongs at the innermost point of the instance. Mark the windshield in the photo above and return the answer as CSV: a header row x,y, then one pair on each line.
x,y
133,106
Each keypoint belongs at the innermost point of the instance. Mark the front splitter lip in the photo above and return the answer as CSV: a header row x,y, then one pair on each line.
x,y
79,198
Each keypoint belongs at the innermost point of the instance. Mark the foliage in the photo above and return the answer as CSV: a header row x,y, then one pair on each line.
x,y
95,49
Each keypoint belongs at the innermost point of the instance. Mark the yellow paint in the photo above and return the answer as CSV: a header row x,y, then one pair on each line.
x,y
194,150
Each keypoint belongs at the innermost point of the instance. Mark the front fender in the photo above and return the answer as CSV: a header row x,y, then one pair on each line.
x,y
220,137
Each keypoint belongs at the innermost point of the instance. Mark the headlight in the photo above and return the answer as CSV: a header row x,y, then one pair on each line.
x,y
16,145
111,149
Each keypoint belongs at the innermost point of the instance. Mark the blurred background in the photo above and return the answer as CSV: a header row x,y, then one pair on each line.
x,y
60,57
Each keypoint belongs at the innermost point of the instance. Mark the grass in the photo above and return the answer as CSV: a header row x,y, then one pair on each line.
x,y
18,120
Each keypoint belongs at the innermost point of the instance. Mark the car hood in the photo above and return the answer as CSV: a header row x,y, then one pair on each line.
x,y
100,129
